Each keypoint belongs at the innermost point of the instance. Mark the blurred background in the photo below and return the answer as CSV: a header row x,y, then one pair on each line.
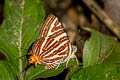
x,y
77,19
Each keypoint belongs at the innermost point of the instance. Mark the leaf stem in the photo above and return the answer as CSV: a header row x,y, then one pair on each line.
x,y
20,41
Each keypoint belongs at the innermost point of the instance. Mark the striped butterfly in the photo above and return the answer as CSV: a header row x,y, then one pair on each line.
x,y
53,46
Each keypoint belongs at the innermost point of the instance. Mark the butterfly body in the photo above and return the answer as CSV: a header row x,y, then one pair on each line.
x,y
53,46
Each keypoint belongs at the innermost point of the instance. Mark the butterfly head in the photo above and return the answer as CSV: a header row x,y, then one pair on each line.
x,y
32,59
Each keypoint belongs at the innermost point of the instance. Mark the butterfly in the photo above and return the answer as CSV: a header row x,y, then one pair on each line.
x,y
53,46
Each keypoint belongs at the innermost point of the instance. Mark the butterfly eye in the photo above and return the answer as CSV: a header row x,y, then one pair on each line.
x,y
29,59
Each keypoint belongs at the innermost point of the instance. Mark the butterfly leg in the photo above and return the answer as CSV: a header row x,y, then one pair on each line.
x,y
67,62
59,64
50,66
73,56
74,50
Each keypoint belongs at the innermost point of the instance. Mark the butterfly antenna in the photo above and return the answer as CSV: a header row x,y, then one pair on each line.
x,y
47,4
24,49
26,68
20,57
23,73
79,40
23,55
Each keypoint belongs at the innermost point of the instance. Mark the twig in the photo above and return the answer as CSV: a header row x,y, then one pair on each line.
x,y
91,4
20,40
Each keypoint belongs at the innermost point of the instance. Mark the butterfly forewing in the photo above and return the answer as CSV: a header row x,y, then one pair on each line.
x,y
53,46
51,27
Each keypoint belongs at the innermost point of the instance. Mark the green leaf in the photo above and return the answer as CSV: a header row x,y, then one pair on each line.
x,y
19,32
98,72
100,48
11,52
40,72
21,17
91,50
6,72
72,72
